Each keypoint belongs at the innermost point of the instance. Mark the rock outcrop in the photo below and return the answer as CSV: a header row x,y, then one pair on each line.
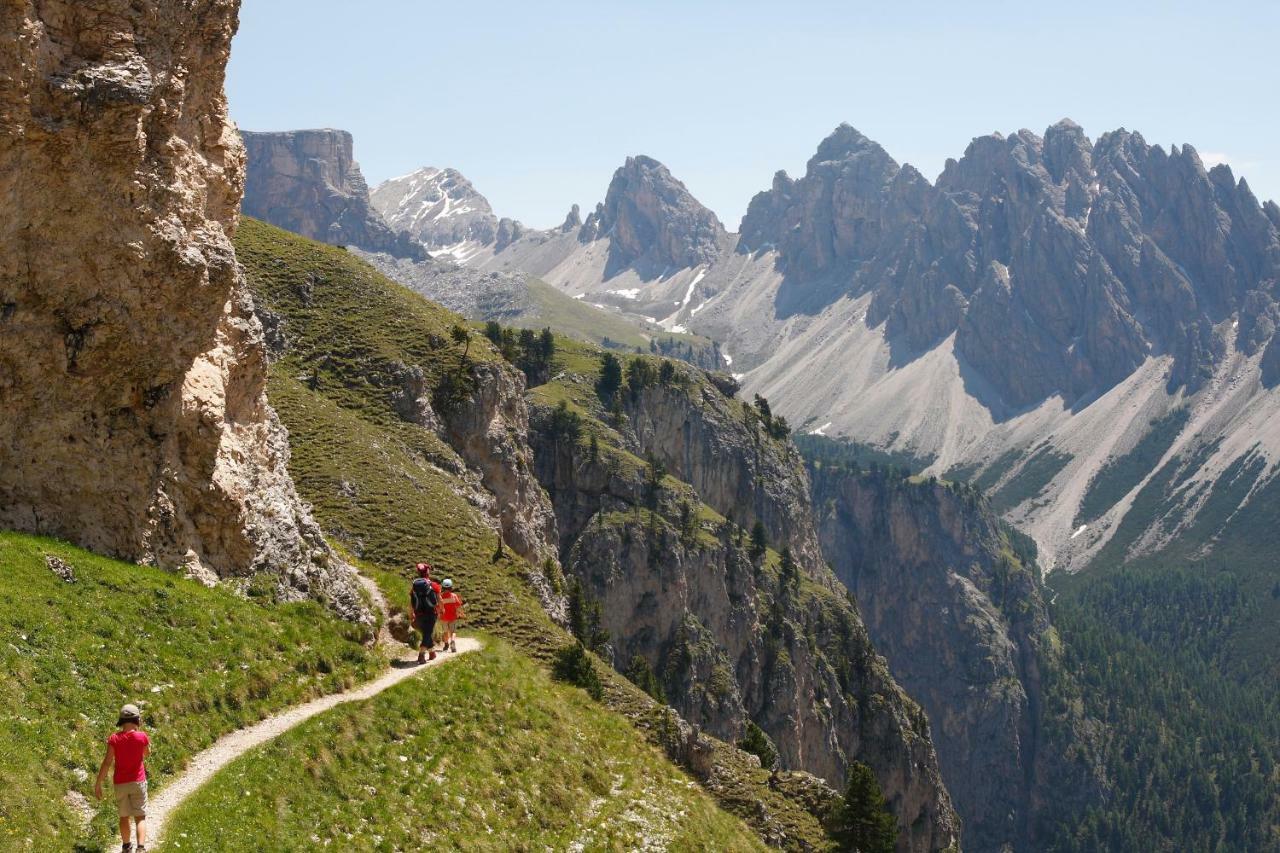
x,y
719,446
1059,264
132,368
730,635
437,207
961,619
489,429
308,182
653,222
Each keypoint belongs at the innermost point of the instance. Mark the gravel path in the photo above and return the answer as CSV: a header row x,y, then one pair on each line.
x,y
231,746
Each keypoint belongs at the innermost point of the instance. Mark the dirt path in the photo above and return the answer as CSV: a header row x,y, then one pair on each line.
x,y
231,746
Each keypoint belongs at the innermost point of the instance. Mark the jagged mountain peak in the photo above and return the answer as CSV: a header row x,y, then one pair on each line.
x,y
845,142
438,207
653,220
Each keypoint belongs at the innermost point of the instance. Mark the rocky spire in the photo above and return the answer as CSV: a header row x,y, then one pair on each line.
x,y
654,222
572,220
830,218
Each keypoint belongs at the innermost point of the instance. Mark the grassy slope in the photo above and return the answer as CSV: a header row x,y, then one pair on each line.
x,y
200,662
372,479
486,754
1115,479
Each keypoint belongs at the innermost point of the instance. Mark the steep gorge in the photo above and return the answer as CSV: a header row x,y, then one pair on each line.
x,y
955,603
732,635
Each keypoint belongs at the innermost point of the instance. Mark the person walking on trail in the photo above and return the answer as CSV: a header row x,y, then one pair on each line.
x,y
424,599
127,749
450,613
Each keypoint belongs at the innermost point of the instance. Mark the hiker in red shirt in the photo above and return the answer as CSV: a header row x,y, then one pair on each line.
x,y
450,611
127,749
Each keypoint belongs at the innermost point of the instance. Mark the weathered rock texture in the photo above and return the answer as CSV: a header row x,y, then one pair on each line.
x,y
731,637
717,445
653,222
962,622
308,182
489,429
1058,263
437,207
132,414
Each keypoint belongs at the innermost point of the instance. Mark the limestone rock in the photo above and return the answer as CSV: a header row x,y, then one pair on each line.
x,y
509,231
439,208
1091,255
725,642
61,568
133,418
308,182
572,220
964,626
653,221
489,430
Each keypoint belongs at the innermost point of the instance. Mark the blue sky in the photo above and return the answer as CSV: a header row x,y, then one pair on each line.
x,y
538,103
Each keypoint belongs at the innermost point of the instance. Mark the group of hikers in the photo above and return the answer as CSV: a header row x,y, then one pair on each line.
x,y
430,603
433,602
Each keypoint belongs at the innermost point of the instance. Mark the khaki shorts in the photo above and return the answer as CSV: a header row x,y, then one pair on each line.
x,y
131,799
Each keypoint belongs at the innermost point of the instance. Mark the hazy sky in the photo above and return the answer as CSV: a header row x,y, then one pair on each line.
x,y
538,103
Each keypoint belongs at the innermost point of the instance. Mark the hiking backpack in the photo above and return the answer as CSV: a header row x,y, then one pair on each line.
x,y
423,596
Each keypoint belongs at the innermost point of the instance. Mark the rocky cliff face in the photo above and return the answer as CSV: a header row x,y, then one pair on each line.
x,y
437,207
961,619
308,182
823,223
489,429
730,635
719,447
132,368
653,222
1058,263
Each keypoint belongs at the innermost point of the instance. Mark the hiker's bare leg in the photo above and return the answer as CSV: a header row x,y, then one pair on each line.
x,y
142,830
125,828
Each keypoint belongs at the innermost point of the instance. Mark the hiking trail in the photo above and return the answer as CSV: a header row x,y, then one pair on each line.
x,y
204,765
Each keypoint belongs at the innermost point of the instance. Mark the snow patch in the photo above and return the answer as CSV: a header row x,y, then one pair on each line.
x,y
628,293
688,294
1081,529
822,430
460,252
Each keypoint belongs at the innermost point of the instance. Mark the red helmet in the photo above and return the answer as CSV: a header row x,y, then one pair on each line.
x,y
424,569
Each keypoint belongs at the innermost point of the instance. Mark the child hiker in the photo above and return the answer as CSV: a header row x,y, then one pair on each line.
x,y
127,749
450,613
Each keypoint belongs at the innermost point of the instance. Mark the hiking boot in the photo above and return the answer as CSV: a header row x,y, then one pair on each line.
x,y
453,645
422,657
433,655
